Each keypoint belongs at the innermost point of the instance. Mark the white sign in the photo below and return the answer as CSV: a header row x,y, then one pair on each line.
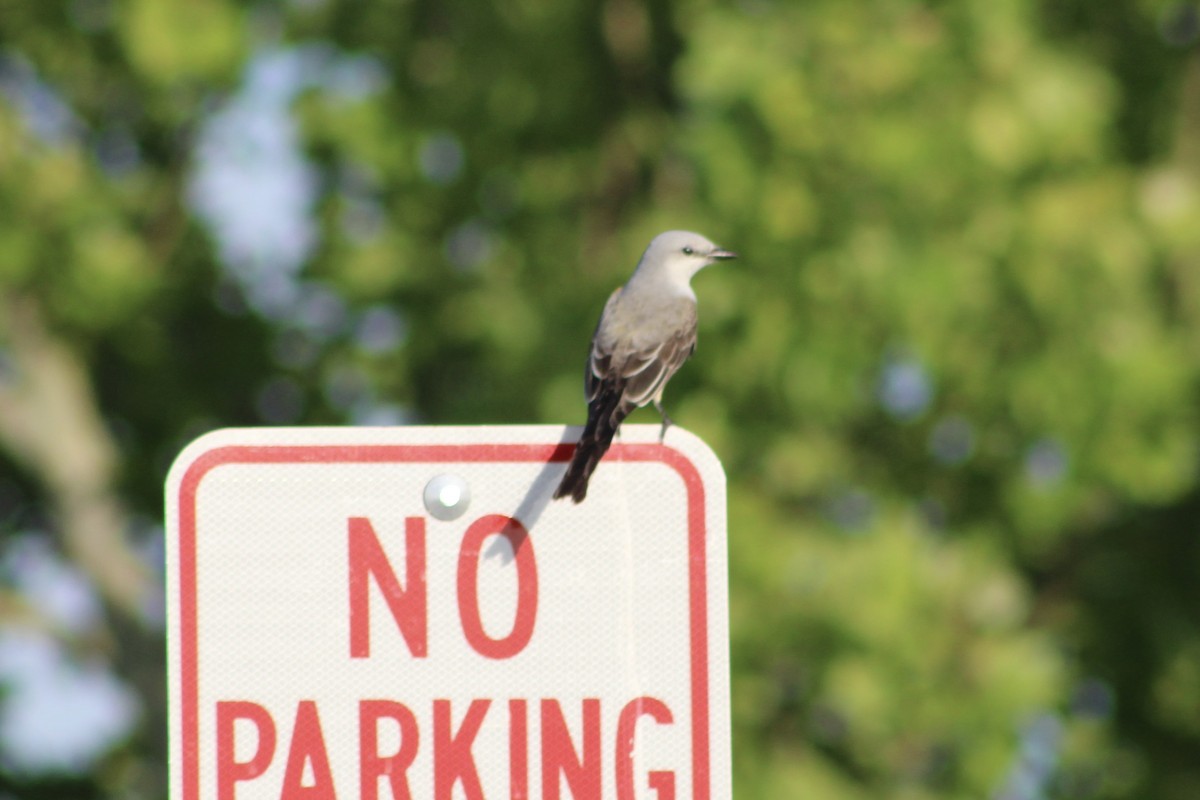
x,y
404,613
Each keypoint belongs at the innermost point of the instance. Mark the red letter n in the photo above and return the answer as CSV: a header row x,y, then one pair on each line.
x,y
558,753
407,603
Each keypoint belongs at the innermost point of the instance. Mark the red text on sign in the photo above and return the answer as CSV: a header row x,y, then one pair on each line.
x,y
570,761
408,602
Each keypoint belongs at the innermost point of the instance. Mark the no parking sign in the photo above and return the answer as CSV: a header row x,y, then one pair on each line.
x,y
403,613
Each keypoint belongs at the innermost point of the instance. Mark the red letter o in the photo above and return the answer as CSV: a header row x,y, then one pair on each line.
x,y
468,586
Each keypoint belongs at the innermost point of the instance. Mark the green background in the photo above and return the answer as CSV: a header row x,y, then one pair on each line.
x,y
953,378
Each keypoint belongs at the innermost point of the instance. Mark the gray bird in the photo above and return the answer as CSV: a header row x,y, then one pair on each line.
x,y
647,331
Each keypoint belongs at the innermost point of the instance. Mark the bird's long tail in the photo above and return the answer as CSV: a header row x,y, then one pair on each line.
x,y
605,415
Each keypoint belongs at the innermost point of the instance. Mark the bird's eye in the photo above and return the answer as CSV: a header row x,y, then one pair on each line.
x,y
687,251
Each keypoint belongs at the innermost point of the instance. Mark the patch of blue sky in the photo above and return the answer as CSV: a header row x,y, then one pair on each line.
x,y
250,182
59,712
42,111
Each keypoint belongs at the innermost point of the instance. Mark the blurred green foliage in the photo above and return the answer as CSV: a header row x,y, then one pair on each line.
x,y
953,378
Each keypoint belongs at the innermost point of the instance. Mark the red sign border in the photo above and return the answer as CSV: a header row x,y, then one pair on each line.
x,y
207,461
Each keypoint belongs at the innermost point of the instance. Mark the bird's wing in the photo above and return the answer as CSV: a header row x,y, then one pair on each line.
x,y
599,364
645,372
637,366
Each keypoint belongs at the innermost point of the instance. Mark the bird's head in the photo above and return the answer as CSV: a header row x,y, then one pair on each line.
x,y
681,254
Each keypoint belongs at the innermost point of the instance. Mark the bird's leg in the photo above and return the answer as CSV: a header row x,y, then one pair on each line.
x,y
666,421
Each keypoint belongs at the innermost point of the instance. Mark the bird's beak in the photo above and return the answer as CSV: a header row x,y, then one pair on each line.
x,y
722,255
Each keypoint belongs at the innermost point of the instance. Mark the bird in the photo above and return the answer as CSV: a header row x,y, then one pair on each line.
x,y
646,332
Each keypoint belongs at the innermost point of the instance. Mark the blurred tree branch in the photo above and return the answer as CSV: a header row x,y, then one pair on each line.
x,y
49,422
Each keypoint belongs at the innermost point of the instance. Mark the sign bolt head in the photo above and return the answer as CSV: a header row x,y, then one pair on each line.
x,y
447,497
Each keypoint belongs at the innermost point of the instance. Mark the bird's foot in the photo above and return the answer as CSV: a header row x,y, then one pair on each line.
x,y
666,422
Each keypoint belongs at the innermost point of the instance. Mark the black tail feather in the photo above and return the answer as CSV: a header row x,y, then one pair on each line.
x,y
605,415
